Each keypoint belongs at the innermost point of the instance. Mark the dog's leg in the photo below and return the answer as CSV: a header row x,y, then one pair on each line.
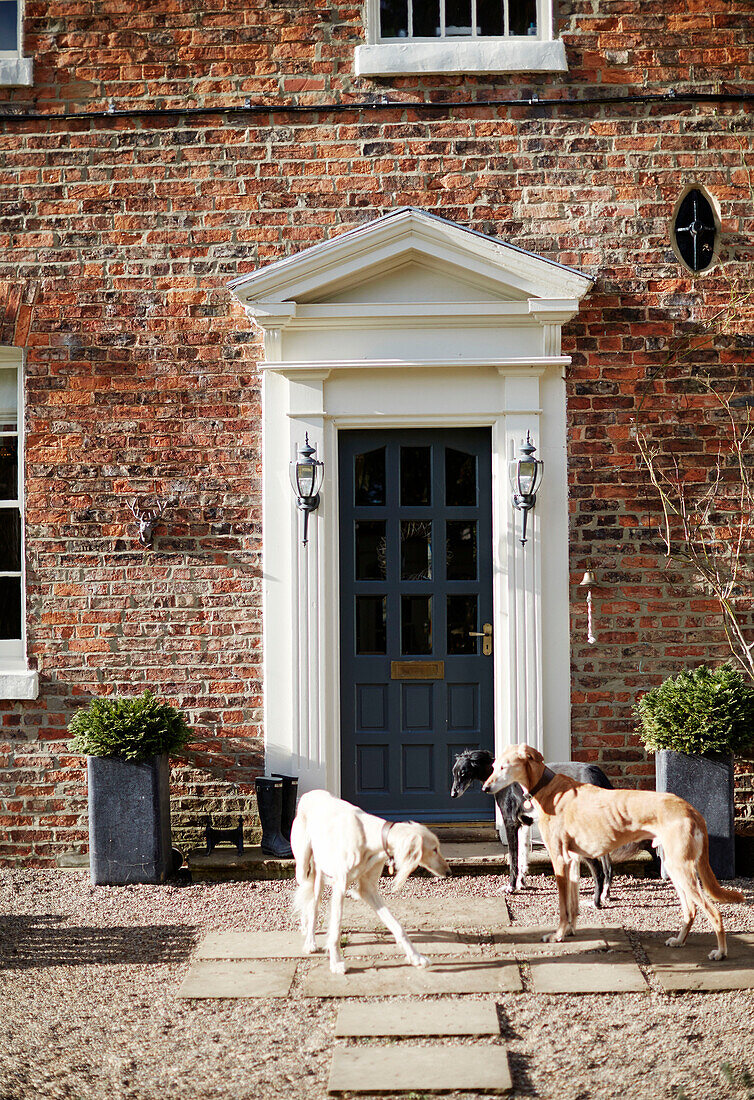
x,y
565,927
372,897
524,848
337,966
309,925
713,915
607,870
680,876
512,829
574,875
598,878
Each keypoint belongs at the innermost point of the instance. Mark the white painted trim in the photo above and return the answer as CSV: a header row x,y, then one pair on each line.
x,y
22,684
323,395
480,55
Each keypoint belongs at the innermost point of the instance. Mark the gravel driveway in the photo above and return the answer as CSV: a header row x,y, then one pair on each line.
x,y
88,981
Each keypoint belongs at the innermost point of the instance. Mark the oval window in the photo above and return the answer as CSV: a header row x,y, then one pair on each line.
x,y
694,230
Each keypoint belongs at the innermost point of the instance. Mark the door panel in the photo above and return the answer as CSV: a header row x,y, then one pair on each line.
x,y
416,585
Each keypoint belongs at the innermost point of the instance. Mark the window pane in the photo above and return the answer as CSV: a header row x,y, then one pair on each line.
x,y
461,620
460,478
457,17
489,17
8,25
371,636
393,18
10,539
416,550
416,476
426,18
8,468
371,564
460,548
522,16
695,231
416,624
8,399
10,607
369,478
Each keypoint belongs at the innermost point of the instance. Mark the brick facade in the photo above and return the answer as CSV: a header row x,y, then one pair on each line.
x,y
120,235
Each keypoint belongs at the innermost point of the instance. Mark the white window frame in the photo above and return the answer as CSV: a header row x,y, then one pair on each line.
x,y
17,681
15,69
460,53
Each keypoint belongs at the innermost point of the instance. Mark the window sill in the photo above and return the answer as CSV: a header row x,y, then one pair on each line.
x,y
16,71
519,55
18,684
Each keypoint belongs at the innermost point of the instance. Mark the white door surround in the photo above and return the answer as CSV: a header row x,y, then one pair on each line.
x,y
411,320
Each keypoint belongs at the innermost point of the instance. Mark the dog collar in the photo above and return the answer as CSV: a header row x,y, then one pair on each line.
x,y
387,826
547,776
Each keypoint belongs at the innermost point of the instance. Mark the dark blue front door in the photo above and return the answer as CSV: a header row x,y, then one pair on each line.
x,y
416,590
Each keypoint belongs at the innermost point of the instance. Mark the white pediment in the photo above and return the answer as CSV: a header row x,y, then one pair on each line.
x,y
407,256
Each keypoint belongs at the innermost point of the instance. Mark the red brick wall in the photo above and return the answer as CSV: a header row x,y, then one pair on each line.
x,y
141,372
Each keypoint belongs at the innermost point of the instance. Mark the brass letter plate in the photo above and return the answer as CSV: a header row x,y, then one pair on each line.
x,y
417,670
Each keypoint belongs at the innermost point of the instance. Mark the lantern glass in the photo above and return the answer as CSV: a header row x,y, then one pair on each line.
x,y
306,477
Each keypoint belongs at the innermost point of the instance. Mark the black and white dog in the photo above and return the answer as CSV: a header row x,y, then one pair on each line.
x,y
517,813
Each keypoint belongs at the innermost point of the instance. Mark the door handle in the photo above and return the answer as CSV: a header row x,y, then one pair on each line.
x,y
486,634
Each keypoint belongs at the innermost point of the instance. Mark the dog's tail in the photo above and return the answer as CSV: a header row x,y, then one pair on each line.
x,y
305,870
708,879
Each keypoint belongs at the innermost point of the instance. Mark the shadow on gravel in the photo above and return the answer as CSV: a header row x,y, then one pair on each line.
x,y
30,942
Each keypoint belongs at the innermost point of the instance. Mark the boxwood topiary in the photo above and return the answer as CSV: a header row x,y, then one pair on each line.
x,y
700,712
130,729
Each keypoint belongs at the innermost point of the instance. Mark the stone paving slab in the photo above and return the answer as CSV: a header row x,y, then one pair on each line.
x,y
413,1018
253,945
689,968
582,974
526,941
426,943
221,978
392,978
430,914
423,1069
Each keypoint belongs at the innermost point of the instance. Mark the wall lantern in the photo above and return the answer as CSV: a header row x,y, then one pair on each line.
x,y
588,582
307,473
526,477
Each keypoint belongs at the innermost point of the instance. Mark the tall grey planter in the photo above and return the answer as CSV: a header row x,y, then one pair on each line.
x,y
707,783
129,820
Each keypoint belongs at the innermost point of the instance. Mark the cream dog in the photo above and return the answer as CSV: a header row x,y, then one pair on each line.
x,y
337,840
578,820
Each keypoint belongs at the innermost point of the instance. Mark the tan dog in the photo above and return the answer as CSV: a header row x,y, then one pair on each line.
x,y
578,820
333,839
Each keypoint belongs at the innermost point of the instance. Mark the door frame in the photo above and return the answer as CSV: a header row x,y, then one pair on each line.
x,y
411,321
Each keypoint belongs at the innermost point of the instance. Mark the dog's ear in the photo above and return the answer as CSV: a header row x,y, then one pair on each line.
x,y
407,857
527,752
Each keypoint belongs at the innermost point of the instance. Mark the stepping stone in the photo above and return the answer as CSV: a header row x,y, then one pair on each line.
x,y
215,979
390,978
426,943
405,1019
253,945
527,942
430,914
688,968
583,974
411,1068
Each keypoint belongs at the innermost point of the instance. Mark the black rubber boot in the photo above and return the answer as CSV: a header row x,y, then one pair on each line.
x,y
290,792
270,806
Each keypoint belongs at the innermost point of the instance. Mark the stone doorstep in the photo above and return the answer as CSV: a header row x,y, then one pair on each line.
x,y
358,1019
413,1068
471,857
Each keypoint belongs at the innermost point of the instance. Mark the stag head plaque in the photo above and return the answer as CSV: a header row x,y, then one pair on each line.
x,y
148,519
